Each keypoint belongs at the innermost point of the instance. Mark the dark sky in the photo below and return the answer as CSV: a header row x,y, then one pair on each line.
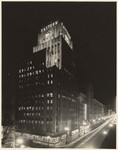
x,y
92,27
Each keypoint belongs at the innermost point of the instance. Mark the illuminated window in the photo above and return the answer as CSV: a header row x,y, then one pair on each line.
x,y
39,71
51,94
51,82
19,71
48,76
30,68
48,101
51,101
27,68
48,108
30,73
52,75
47,94
27,74
48,82
42,95
22,70
30,62
36,72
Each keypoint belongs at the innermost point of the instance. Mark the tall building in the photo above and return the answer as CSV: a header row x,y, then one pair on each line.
x,y
47,87
49,107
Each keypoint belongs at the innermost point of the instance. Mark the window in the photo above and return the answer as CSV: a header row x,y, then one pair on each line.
x,y
48,108
36,72
51,101
52,75
48,82
48,76
51,94
30,68
47,94
51,81
48,101
19,71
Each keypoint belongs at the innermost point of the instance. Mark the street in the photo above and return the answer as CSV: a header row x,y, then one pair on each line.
x,y
95,138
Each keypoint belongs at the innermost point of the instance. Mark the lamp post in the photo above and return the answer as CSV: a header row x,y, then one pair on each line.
x,y
66,129
48,138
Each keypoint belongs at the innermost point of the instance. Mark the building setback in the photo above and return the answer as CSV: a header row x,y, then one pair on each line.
x,y
47,96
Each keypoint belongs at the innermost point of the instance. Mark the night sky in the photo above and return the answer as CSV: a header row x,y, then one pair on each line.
x,y
92,27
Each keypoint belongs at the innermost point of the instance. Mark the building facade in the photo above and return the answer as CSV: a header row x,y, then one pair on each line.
x,y
47,86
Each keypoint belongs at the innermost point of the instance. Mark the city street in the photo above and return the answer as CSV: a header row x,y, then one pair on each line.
x,y
95,138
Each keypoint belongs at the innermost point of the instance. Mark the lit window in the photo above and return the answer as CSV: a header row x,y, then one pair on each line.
x,y
51,82
48,76
43,70
19,71
48,82
27,68
22,70
48,101
47,94
51,101
30,62
42,95
52,75
43,63
30,68
36,72
51,94
30,73
47,108
39,71
27,74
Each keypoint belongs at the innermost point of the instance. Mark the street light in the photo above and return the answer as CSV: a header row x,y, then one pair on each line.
x,y
66,129
111,125
48,138
19,141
